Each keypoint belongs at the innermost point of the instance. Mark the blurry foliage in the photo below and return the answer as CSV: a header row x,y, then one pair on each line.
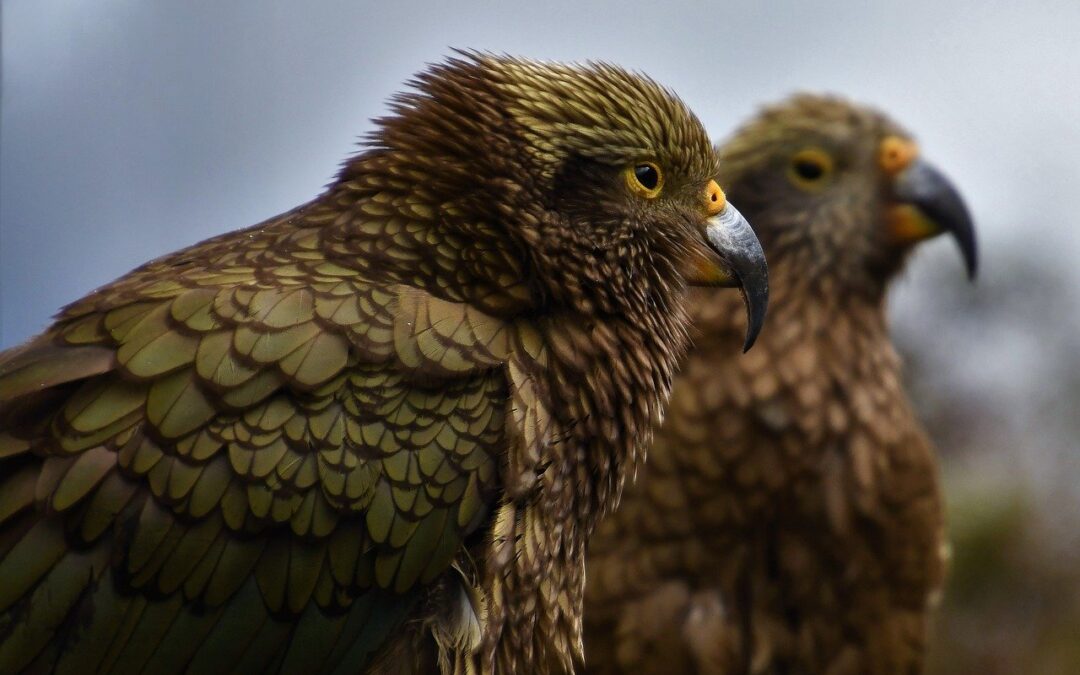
x,y
1010,606
994,370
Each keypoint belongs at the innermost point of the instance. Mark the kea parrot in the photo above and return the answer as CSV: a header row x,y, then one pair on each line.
x,y
789,518
371,434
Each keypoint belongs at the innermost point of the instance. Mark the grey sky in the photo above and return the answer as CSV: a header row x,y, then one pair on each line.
x,y
130,128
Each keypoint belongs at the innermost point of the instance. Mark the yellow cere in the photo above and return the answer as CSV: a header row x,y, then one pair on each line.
x,y
896,154
715,199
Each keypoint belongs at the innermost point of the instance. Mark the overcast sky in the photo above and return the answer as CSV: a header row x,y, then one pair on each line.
x,y
129,129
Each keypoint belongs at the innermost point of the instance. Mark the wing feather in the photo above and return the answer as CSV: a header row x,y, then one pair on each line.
x,y
240,449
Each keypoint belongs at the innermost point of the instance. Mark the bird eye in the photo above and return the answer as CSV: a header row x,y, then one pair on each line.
x,y
645,179
809,168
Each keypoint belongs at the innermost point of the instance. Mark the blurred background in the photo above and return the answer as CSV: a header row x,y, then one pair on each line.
x,y
129,129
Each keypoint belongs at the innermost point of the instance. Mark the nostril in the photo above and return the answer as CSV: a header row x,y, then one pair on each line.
x,y
896,154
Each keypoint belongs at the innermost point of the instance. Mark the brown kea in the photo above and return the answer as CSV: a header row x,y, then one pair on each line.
x,y
371,434
789,517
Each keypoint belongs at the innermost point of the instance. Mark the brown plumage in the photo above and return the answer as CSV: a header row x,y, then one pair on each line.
x,y
789,517
373,432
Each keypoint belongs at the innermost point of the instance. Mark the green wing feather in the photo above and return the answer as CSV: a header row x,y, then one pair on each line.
x,y
216,462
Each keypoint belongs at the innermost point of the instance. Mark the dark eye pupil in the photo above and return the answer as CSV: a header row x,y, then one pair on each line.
x,y
647,176
809,170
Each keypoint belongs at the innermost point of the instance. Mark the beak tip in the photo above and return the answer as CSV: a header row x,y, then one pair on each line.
x,y
964,235
963,231
971,262
756,299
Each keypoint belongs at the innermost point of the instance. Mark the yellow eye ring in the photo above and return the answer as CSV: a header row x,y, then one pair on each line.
x,y
645,179
810,168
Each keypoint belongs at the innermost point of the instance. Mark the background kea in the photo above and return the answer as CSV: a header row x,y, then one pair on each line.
x,y
378,428
789,517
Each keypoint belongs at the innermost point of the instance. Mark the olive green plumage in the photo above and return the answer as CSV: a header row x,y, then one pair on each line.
x,y
373,432
789,519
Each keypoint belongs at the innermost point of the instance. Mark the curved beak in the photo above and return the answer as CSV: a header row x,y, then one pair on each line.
x,y
742,264
928,204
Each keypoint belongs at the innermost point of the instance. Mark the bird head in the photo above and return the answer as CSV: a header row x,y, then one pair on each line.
x,y
840,191
599,179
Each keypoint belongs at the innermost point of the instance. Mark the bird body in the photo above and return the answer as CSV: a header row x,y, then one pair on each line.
x,y
373,433
789,518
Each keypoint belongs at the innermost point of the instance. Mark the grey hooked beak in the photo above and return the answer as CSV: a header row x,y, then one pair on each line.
x,y
933,206
731,237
